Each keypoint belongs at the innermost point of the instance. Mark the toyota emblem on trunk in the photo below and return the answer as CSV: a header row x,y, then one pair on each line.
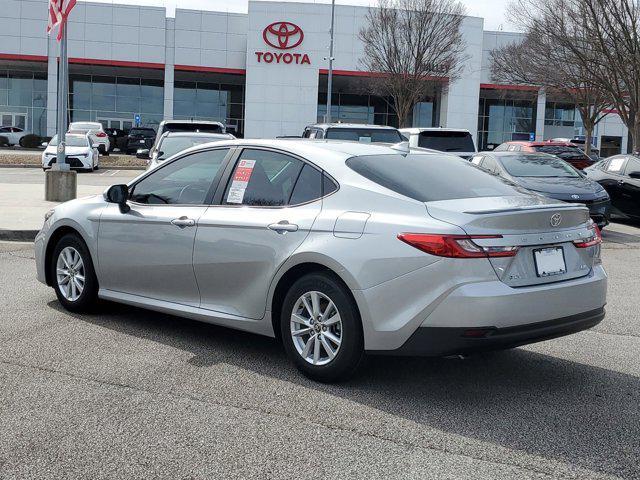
x,y
555,220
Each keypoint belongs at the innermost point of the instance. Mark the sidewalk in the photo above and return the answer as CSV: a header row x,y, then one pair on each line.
x,y
22,204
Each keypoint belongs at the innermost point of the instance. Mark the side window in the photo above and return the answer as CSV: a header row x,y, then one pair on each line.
x,y
183,182
490,165
262,178
307,133
616,165
501,148
328,185
633,165
319,133
308,187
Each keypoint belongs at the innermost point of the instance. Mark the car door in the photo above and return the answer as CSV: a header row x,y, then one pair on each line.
x,y
148,250
612,180
261,214
630,188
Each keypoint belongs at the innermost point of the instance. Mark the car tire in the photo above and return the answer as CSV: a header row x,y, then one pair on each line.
x,y
75,294
343,336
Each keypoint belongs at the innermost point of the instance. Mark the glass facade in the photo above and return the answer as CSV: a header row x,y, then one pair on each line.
x,y
201,100
115,100
503,119
23,100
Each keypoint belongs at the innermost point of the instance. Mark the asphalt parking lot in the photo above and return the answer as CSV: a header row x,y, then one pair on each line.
x,y
127,393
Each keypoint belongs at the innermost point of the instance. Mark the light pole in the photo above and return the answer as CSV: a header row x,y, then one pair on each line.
x,y
61,161
330,76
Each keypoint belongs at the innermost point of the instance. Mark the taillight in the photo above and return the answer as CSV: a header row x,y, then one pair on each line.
x,y
101,134
456,246
594,239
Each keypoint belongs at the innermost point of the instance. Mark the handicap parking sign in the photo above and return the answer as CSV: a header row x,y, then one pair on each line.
x,y
137,119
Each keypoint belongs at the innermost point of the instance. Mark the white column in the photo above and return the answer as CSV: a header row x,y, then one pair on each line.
x,y
540,113
52,85
170,42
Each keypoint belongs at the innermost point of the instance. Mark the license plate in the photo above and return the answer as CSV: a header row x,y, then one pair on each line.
x,y
549,261
141,141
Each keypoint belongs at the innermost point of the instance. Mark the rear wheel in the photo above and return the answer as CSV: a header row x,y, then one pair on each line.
x,y
73,275
321,328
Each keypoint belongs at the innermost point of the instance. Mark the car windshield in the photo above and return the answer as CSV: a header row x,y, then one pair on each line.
x,y
365,135
71,141
142,131
561,151
169,146
446,141
536,166
429,178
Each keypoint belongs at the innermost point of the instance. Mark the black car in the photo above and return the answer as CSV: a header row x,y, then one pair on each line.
x,y
117,138
140,137
620,177
550,176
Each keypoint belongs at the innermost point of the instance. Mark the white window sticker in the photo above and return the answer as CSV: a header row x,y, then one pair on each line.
x,y
364,139
240,181
616,164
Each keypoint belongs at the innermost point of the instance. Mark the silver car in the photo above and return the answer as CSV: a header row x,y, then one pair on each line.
x,y
338,248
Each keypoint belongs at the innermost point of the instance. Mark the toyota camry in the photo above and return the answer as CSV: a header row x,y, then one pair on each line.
x,y
337,248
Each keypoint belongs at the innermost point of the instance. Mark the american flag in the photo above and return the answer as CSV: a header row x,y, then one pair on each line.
x,y
58,13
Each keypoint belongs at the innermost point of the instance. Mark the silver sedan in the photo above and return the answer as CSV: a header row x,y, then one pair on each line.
x,y
337,248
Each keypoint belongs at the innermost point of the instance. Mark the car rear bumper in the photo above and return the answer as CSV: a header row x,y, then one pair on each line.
x,y
445,341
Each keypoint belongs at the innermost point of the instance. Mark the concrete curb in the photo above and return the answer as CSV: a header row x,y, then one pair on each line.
x,y
18,235
36,165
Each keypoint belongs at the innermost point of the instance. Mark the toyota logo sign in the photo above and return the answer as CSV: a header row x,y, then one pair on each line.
x,y
283,35
556,220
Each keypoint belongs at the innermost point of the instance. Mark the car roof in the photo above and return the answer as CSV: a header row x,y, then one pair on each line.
x,y
518,154
541,144
351,125
432,129
198,134
196,122
323,153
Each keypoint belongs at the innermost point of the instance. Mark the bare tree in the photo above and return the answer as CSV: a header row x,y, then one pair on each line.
x,y
602,37
536,61
410,46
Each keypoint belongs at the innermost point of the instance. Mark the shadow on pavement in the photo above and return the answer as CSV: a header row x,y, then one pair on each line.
x,y
522,400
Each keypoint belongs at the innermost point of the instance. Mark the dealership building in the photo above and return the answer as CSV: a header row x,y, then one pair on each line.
x,y
263,73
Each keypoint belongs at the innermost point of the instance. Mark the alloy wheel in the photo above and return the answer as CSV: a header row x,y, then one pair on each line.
x,y
316,328
70,273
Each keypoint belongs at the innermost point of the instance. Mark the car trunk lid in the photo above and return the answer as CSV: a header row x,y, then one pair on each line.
x,y
544,231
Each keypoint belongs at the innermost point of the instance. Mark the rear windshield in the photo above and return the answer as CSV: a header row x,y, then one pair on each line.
x,y
536,166
447,141
169,146
562,151
428,178
365,135
142,131
85,126
193,127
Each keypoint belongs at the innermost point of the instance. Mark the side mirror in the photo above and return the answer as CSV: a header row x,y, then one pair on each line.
x,y
142,153
118,194
634,175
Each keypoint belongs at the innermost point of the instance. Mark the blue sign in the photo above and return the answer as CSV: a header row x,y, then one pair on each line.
x,y
137,119
532,137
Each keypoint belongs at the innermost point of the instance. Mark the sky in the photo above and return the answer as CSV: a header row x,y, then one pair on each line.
x,y
493,11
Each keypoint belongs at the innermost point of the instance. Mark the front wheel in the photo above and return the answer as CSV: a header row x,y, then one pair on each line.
x,y
321,328
73,275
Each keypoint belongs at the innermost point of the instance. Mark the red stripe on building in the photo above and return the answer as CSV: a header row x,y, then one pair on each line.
x,y
197,68
497,86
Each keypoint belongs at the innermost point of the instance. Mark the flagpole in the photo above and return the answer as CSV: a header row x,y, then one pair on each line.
x,y
63,97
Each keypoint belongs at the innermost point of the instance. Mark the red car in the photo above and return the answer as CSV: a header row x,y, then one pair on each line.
x,y
567,151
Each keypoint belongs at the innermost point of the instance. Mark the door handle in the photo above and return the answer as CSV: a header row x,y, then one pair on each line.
x,y
183,222
283,227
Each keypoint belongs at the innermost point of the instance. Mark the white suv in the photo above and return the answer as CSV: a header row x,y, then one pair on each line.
x,y
451,140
